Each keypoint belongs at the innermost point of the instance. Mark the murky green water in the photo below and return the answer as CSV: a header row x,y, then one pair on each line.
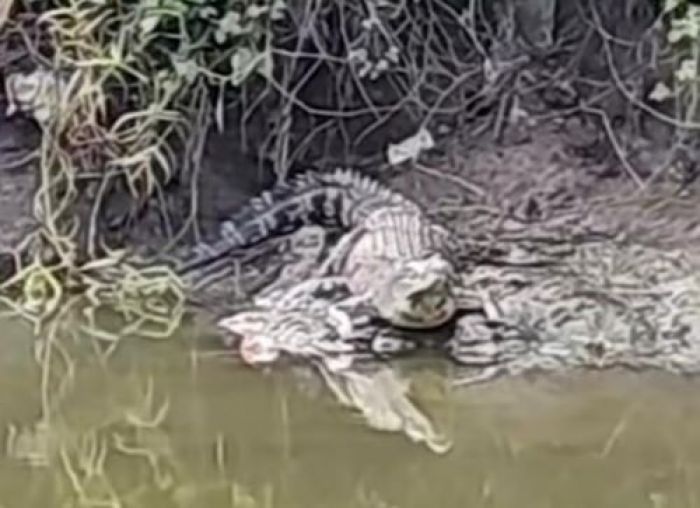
x,y
213,433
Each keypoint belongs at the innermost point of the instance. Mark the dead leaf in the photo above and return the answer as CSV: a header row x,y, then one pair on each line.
x,y
5,8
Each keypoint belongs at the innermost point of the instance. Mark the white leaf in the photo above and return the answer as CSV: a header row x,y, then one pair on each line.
x,y
661,92
410,148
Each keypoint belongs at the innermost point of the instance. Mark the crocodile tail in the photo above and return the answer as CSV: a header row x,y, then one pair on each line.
x,y
339,199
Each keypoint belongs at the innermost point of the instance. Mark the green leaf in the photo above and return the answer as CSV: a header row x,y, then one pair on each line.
x,y
148,24
244,62
266,66
277,10
187,69
670,5
255,11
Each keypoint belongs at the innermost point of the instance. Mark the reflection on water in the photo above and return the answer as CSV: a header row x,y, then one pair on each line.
x,y
166,423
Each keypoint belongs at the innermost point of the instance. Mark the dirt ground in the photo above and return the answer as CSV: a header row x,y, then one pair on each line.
x,y
559,178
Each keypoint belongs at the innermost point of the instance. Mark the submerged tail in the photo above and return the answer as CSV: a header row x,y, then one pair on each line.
x,y
340,199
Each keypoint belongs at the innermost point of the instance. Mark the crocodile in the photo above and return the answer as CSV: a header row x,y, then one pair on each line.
x,y
391,255
609,305
326,340
312,320
261,336
335,340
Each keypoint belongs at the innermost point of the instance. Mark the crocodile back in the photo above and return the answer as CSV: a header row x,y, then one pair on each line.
x,y
342,199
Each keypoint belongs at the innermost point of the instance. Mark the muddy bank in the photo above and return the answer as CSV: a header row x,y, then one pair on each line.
x,y
561,168
19,138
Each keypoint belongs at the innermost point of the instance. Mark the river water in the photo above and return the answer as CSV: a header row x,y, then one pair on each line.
x,y
179,423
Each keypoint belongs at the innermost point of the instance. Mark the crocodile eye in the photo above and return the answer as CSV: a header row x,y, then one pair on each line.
x,y
440,302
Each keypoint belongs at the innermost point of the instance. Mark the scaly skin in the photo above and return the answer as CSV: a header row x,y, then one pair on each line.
x,y
312,319
392,256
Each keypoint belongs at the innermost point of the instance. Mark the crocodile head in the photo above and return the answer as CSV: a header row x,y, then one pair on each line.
x,y
247,332
418,294
262,335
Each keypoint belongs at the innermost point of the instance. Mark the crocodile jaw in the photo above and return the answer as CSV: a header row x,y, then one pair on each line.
x,y
406,316
418,294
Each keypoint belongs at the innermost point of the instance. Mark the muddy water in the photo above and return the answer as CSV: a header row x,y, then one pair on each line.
x,y
213,433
